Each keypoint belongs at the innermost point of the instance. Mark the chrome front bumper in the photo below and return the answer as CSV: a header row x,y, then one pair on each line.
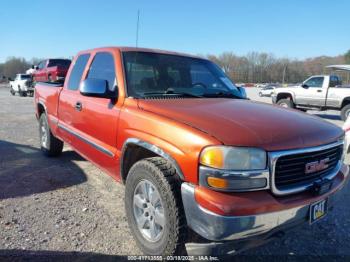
x,y
215,227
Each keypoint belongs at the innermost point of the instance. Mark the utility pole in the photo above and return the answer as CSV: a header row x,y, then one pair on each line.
x,y
137,27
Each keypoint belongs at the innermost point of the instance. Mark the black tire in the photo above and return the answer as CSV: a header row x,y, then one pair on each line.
x,y
286,103
49,78
12,91
51,146
260,94
20,92
163,176
345,111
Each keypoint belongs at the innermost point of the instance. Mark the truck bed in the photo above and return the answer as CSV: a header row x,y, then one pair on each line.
x,y
47,95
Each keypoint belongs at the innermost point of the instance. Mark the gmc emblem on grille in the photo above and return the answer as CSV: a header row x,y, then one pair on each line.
x,y
316,166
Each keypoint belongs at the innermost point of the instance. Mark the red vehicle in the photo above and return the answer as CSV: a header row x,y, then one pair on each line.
x,y
50,70
198,159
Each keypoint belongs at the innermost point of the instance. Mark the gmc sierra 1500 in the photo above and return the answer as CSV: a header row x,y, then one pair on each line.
x,y
192,152
320,92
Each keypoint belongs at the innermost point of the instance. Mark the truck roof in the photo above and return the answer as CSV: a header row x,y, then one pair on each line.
x,y
138,49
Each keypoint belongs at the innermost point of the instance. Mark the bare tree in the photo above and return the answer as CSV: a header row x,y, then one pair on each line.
x,y
263,67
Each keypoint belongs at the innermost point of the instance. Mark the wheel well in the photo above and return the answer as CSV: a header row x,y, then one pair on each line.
x,y
345,102
131,154
284,96
41,109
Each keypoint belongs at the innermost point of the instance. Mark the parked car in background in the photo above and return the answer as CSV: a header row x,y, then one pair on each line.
x,y
196,157
267,90
260,85
22,84
319,92
51,70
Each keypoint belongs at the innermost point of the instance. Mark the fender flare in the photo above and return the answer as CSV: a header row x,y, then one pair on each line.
x,y
286,92
153,148
37,108
347,98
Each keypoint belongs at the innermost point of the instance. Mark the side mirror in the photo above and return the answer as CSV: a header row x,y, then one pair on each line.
x,y
97,88
242,90
304,86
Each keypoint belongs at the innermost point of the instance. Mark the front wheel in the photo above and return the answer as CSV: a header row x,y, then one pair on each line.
x,y
345,112
154,208
286,103
20,92
260,94
49,145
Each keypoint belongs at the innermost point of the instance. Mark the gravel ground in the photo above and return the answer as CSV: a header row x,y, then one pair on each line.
x,y
66,208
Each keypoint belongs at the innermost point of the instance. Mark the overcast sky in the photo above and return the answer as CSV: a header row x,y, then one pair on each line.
x,y
288,28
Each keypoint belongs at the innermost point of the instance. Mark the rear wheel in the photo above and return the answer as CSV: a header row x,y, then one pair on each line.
x,y
154,208
260,94
49,145
49,78
345,112
286,103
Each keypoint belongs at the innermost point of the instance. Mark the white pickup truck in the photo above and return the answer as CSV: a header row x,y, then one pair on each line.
x,y
22,85
320,92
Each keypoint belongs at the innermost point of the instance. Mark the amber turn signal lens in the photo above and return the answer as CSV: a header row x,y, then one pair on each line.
x,y
213,157
217,182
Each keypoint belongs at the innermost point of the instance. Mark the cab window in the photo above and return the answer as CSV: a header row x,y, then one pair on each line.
x,y
77,72
315,82
102,67
41,64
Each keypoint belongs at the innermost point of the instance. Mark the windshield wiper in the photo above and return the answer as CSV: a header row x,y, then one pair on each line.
x,y
221,95
167,93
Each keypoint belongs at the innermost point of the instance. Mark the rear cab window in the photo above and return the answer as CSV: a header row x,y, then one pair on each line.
x,y
334,81
77,72
59,62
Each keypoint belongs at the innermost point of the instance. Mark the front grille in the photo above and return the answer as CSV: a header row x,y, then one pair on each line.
x,y
290,169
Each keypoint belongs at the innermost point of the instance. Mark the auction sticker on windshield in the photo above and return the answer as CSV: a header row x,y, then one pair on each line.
x,y
318,210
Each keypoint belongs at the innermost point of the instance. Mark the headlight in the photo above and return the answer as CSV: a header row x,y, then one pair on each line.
x,y
225,168
233,158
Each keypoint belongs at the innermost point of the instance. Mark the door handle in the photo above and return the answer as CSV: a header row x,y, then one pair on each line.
x,y
320,91
78,106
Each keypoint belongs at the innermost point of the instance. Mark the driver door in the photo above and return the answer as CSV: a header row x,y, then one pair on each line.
x,y
312,92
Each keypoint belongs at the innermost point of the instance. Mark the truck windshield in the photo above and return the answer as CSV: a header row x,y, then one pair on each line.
x,y
153,74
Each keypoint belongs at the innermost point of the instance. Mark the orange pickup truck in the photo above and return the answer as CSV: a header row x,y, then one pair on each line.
x,y
203,166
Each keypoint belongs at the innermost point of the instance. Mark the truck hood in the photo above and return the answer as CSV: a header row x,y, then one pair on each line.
x,y
245,123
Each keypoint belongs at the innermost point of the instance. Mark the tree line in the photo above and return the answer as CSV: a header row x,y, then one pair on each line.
x,y
254,67
266,68
15,65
